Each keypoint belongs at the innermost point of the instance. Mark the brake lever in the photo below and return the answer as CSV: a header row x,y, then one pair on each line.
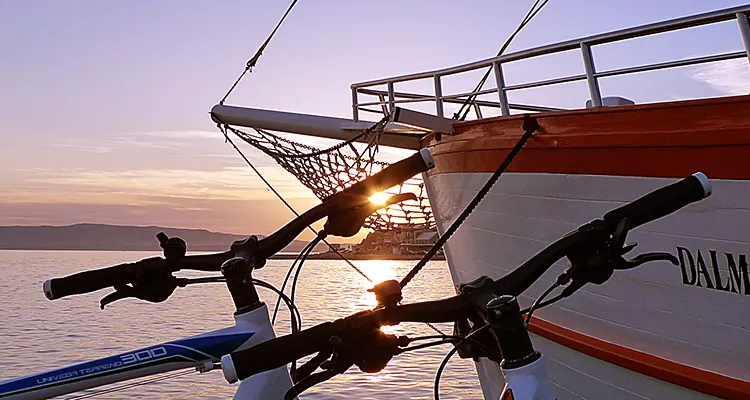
x,y
619,235
310,381
604,269
624,264
151,291
311,365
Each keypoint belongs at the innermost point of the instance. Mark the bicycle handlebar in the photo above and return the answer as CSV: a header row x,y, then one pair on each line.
x,y
277,352
285,349
91,281
663,201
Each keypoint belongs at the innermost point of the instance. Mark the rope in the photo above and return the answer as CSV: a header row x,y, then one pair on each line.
x,y
286,203
132,385
251,62
330,170
378,128
529,16
530,125
435,328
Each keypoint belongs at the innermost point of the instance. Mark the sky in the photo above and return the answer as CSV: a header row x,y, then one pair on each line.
x,y
104,105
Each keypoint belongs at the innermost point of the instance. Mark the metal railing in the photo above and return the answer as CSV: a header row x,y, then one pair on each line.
x,y
388,99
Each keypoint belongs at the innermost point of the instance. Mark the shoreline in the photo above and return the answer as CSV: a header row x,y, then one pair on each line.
x,y
282,256
356,256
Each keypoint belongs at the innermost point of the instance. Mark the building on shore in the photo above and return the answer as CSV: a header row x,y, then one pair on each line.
x,y
412,240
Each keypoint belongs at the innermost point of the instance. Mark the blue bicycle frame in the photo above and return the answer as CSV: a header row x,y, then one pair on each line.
x,y
250,328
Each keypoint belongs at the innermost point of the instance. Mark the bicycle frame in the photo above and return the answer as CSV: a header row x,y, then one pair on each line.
x,y
529,382
250,328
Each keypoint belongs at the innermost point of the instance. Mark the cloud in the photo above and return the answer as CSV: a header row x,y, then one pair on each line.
x,y
189,134
82,146
731,77
173,178
228,183
163,140
230,199
161,147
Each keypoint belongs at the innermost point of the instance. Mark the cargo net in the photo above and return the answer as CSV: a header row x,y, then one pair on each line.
x,y
327,171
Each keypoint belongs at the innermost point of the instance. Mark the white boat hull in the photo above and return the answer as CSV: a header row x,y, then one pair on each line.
x,y
574,375
653,309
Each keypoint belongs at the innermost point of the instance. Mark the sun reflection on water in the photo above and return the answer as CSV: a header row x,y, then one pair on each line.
x,y
378,271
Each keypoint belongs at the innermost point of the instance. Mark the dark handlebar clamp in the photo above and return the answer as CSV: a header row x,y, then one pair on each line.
x,y
154,283
597,261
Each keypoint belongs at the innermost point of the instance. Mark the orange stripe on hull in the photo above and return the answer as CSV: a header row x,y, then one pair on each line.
x,y
662,140
644,363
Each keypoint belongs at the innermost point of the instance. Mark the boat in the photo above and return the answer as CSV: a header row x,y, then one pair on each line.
x,y
657,332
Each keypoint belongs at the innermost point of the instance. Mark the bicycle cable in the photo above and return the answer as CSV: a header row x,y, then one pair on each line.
x,y
539,299
132,385
445,339
314,242
544,304
295,316
286,279
436,387
426,345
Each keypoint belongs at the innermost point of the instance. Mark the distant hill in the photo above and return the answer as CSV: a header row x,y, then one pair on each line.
x,y
116,237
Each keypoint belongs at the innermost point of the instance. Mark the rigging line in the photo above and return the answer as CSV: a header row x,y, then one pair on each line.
x,y
132,385
251,62
289,206
482,81
533,11
529,16
435,328
377,128
530,125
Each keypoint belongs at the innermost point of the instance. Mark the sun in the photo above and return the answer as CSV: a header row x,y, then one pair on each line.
x,y
379,198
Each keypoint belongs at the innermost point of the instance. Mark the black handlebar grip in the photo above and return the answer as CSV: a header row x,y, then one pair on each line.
x,y
276,352
664,201
91,281
393,175
83,282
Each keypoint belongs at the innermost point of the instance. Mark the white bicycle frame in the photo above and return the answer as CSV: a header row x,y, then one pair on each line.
x,y
529,382
250,329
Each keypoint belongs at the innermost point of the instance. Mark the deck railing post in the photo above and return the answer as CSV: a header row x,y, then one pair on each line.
x,y
383,105
588,64
478,110
391,98
355,105
500,82
745,32
438,96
